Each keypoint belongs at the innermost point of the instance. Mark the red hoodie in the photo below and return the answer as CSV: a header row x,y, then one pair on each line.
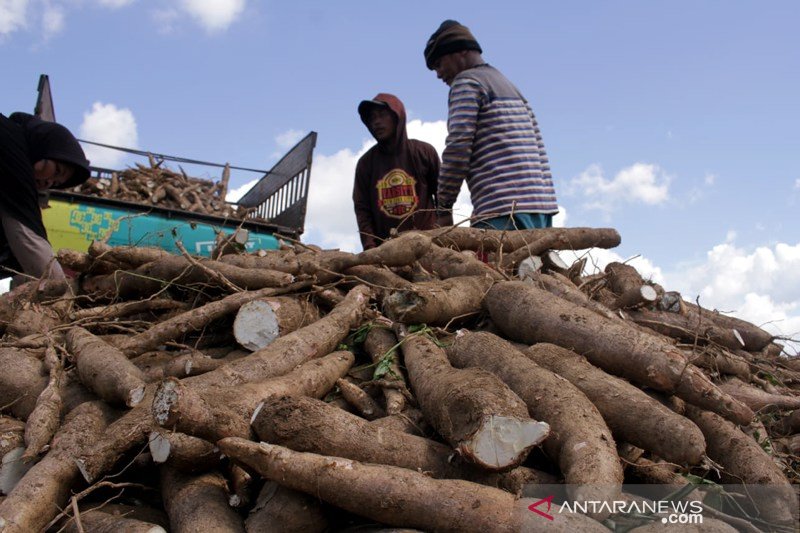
x,y
395,184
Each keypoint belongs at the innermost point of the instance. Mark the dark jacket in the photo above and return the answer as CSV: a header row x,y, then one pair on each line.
x,y
395,183
24,140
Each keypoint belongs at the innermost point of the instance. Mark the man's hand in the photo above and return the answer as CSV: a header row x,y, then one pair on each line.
x,y
444,219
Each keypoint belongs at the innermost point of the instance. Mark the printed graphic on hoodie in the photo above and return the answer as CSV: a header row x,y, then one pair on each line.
x,y
397,194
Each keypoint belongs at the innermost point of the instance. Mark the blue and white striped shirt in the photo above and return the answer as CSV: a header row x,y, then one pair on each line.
x,y
494,143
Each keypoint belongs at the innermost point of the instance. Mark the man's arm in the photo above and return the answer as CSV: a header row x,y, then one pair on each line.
x,y
463,107
362,204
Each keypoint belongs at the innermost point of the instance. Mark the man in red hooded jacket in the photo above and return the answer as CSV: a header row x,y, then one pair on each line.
x,y
395,183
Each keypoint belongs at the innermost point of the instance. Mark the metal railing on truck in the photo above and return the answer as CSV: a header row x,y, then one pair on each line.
x,y
280,197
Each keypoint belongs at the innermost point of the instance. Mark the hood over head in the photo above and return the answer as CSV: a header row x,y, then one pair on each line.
x,y
397,107
49,140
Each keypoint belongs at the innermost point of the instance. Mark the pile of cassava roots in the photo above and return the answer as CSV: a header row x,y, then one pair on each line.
x,y
437,382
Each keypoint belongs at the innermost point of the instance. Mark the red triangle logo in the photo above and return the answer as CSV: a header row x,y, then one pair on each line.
x,y
533,507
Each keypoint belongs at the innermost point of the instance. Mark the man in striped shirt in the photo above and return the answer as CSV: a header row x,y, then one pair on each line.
x,y
493,139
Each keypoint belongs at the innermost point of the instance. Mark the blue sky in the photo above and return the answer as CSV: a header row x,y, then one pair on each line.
x,y
676,123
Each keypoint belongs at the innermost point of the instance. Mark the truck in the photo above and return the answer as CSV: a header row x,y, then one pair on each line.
x,y
275,206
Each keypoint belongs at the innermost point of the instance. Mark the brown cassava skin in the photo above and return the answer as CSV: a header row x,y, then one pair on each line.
x,y
280,357
744,461
755,338
360,400
456,401
528,314
556,284
511,260
45,417
24,379
408,421
149,278
44,490
190,321
108,312
21,381
84,263
131,256
280,260
447,263
98,521
685,328
104,369
37,319
757,399
218,412
378,344
380,277
399,251
282,510
198,503
186,453
12,433
580,439
438,302
722,362
308,425
390,495
622,278
631,414
493,240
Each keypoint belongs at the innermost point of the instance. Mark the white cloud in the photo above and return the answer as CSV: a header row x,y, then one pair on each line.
x,y
53,19
639,183
234,195
108,124
760,285
13,15
797,183
710,179
214,15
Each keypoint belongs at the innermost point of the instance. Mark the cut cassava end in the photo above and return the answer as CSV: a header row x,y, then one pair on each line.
x,y
305,424
260,322
580,442
472,409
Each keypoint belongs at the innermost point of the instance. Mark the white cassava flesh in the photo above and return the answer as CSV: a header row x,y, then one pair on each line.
x,y
501,440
